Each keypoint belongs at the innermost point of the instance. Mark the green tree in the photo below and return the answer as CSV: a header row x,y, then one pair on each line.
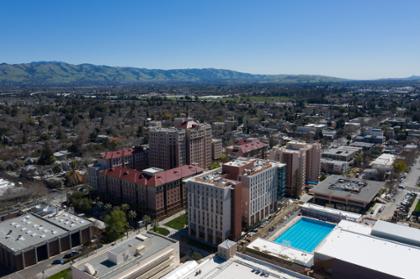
x,y
116,224
46,157
400,166
214,165
125,207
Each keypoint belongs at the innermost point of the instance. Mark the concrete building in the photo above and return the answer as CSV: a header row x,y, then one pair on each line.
x,y
188,143
384,163
334,166
353,250
342,153
199,143
216,149
153,191
32,238
144,256
295,169
349,194
167,148
239,194
302,165
238,266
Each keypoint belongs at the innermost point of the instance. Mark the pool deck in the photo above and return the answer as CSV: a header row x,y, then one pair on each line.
x,y
268,245
282,252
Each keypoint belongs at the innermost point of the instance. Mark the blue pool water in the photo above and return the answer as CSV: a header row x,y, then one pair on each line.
x,y
305,234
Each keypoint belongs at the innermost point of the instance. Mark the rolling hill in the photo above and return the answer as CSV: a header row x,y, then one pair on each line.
x,y
60,73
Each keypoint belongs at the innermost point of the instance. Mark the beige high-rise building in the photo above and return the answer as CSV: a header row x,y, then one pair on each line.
x,y
313,159
188,143
302,164
199,143
295,161
167,148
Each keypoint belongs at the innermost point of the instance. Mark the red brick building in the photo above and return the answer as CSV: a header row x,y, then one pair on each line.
x,y
153,191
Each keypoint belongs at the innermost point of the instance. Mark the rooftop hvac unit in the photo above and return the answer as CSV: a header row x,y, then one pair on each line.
x,y
89,269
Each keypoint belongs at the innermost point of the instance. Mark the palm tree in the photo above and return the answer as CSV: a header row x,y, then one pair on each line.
x,y
108,207
125,207
147,220
132,215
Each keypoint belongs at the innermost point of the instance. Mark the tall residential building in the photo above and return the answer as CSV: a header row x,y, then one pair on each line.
x,y
295,169
199,143
239,194
302,165
313,159
188,143
153,191
167,148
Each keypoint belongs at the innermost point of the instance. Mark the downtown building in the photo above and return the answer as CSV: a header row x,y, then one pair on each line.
x,y
302,165
133,158
238,195
155,192
187,143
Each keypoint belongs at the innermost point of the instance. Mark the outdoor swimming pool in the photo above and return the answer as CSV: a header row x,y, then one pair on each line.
x,y
305,234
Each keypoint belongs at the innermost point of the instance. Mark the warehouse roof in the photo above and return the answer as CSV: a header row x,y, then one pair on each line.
x,y
374,253
26,231
397,232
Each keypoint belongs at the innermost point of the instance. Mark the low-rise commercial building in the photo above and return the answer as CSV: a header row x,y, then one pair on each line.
x,y
142,256
334,166
349,194
341,153
32,238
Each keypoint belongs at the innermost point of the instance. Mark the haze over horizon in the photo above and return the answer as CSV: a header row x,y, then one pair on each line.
x,y
357,40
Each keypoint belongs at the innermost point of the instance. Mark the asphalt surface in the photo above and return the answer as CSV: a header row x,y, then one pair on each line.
x,y
411,186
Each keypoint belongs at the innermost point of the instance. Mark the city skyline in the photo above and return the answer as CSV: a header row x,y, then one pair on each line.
x,y
356,40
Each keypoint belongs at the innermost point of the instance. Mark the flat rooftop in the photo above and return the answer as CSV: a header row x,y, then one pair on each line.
x,y
354,189
67,221
214,178
333,211
385,159
342,150
252,165
396,232
105,268
239,266
374,253
26,231
282,252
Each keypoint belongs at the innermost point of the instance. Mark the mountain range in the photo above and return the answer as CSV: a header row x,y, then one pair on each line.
x,y
62,74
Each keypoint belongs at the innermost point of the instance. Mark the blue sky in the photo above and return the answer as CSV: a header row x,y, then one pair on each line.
x,y
346,38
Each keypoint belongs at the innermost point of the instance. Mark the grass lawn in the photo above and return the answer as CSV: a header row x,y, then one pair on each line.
x,y
178,223
65,274
161,230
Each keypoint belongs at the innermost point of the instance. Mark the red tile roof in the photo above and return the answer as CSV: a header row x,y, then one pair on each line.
x,y
117,153
160,178
250,145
